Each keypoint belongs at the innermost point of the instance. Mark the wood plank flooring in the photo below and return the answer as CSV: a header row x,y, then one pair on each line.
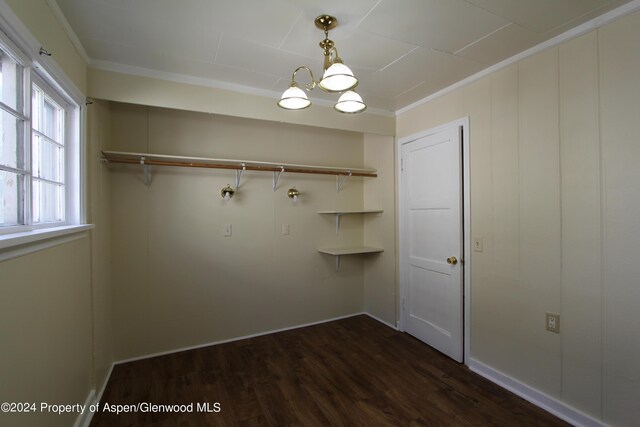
x,y
350,372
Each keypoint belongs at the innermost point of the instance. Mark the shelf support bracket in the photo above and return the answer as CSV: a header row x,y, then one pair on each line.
x,y
147,172
337,263
276,177
239,174
340,182
337,224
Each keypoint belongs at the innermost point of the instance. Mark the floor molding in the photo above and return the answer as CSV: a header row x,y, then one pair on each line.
x,y
244,337
542,400
381,321
104,384
84,419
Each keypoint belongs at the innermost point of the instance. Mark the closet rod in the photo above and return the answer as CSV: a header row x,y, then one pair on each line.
x,y
162,160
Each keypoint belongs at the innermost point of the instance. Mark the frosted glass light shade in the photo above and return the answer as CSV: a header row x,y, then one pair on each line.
x,y
350,103
294,98
338,78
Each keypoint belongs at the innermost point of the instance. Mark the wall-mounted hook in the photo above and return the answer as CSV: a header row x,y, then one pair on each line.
x,y
44,51
88,101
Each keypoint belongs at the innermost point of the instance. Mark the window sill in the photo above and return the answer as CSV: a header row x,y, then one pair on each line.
x,y
19,244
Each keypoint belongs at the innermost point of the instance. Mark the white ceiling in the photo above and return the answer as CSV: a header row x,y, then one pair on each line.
x,y
400,50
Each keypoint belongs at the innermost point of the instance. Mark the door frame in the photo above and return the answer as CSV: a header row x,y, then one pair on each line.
x,y
466,225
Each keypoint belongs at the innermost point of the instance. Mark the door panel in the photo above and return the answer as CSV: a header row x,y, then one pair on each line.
x,y
431,205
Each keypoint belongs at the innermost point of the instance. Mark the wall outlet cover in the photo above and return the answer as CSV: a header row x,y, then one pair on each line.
x,y
553,322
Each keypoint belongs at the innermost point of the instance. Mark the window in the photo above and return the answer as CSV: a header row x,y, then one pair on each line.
x,y
14,170
39,149
47,157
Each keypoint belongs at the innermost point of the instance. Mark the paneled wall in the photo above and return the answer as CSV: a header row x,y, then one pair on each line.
x,y
380,299
177,281
555,195
99,128
45,330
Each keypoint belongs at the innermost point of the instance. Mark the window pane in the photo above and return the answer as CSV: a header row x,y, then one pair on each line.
x,y
47,159
10,82
11,145
11,191
36,106
48,202
53,117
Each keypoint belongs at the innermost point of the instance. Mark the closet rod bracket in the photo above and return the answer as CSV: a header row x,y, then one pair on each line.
x,y
147,172
340,182
276,177
239,174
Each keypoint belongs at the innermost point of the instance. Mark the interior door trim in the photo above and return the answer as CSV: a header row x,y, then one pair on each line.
x,y
463,124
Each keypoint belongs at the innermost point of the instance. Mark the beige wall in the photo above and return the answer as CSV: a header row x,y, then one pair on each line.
x,y
45,331
380,230
177,281
554,195
55,304
99,128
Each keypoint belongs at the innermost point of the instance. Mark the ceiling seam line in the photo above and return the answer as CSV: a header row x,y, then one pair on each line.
x,y
483,37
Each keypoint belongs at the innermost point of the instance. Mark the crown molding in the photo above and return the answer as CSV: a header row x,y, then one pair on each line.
x,y
205,82
73,37
595,23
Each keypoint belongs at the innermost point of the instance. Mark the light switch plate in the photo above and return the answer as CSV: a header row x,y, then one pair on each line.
x,y
226,230
477,244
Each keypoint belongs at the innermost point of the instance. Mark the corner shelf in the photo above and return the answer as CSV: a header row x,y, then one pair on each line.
x,y
338,214
353,250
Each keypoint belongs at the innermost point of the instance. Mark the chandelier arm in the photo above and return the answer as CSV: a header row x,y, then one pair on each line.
x,y
336,57
309,86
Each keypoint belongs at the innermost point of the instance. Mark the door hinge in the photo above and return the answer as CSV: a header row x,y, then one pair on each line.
x,y
401,165
402,304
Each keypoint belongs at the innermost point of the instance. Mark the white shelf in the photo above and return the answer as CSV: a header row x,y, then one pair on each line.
x,y
365,211
353,250
338,214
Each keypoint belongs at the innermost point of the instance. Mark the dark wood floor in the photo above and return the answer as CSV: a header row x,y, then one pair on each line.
x,y
351,372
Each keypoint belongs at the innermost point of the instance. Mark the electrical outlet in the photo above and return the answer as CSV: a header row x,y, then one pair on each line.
x,y
285,229
553,322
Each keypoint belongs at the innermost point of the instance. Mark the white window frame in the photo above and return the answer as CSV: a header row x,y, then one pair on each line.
x,y
26,238
25,115
70,156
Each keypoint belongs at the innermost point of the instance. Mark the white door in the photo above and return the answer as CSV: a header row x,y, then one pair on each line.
x,y
431,240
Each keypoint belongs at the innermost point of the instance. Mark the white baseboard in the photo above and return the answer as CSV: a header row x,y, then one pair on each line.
x,y
542,400
178,350
84,419
381,321
104,383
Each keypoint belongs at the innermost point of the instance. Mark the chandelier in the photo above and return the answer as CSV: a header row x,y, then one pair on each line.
x,y
337,78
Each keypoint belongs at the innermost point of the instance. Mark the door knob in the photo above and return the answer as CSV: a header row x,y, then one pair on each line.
x,y
452,260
